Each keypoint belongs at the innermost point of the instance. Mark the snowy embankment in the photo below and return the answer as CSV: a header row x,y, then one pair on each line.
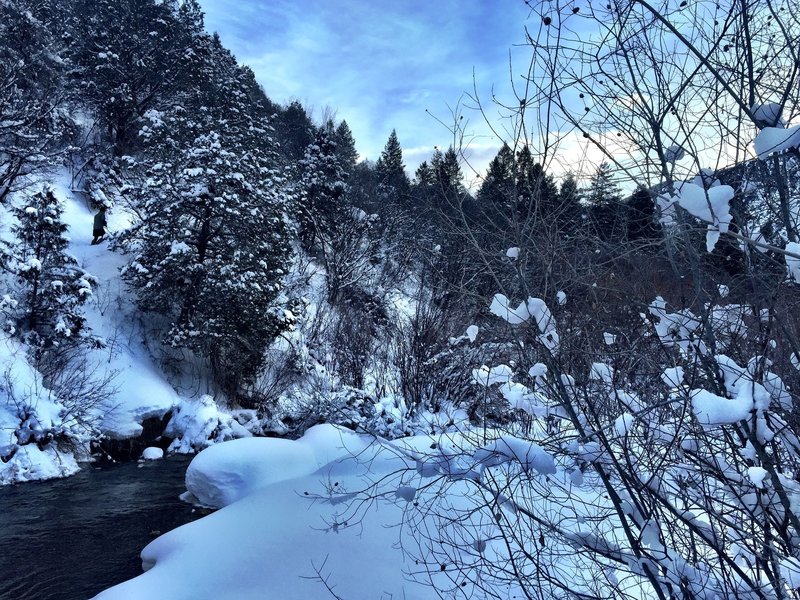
x,y
337,514
136,390
277,536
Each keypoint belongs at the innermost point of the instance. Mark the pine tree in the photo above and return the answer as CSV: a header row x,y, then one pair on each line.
x,y
642,222
448,179
346,151
497,195
34,121
605,210
212,244
294,129
322,186
393,183
52,286
129,56
536,191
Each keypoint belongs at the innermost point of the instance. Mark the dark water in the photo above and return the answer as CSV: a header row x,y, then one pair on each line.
x,y
69,539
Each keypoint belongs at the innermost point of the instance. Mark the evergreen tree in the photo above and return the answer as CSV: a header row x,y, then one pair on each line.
x,y
212,244
605,210
130,56
322,185
642,222
448,179
393,183
570,213
294,129
346,151
34,121
497,196
536,191
362,187
52,285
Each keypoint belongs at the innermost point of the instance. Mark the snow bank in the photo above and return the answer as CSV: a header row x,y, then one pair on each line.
x,y
31,421
196,424
271,537
224,473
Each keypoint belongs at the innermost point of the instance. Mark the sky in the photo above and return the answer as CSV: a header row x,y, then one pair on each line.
x,y
384,64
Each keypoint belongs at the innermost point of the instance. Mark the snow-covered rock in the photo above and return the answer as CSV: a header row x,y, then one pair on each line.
x,y
152,453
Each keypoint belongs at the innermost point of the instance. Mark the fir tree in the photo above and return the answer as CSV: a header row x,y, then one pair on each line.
x,y
322,185
212,244
536,191
346,151
294,129
570,213
129,56
34,120
642,222
448,179
52,286
605,210
393,183
497,195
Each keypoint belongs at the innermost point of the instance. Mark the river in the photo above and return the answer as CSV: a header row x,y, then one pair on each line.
x,y
69,539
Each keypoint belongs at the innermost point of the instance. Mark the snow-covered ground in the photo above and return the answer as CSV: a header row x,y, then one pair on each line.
x,y
341,515
138,388
283,529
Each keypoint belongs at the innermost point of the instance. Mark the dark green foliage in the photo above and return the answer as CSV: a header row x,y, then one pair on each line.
x,y
393,183
128,57
52,286
606,211
322,185
642,222
448,180
537,195
34,121
497,196
346,151
294,129
212,244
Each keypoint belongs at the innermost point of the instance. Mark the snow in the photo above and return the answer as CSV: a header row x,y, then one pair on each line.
x,y
270,543
776,139
282,520
768,114
623,424
472,332
486,376
757,476
674,153
561,298
529,455
512,253
790,571
141,389
609,339
28,413
152,453
196,424
224,473
673,377
793,262
710,205
711,409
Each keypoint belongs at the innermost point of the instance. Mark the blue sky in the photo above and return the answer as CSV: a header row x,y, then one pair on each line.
x,y
379,64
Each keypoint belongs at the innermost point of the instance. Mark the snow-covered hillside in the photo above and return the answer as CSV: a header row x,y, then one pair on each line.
x,y
136,387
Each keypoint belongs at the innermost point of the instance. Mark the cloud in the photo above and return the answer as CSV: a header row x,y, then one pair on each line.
x,y
380,64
